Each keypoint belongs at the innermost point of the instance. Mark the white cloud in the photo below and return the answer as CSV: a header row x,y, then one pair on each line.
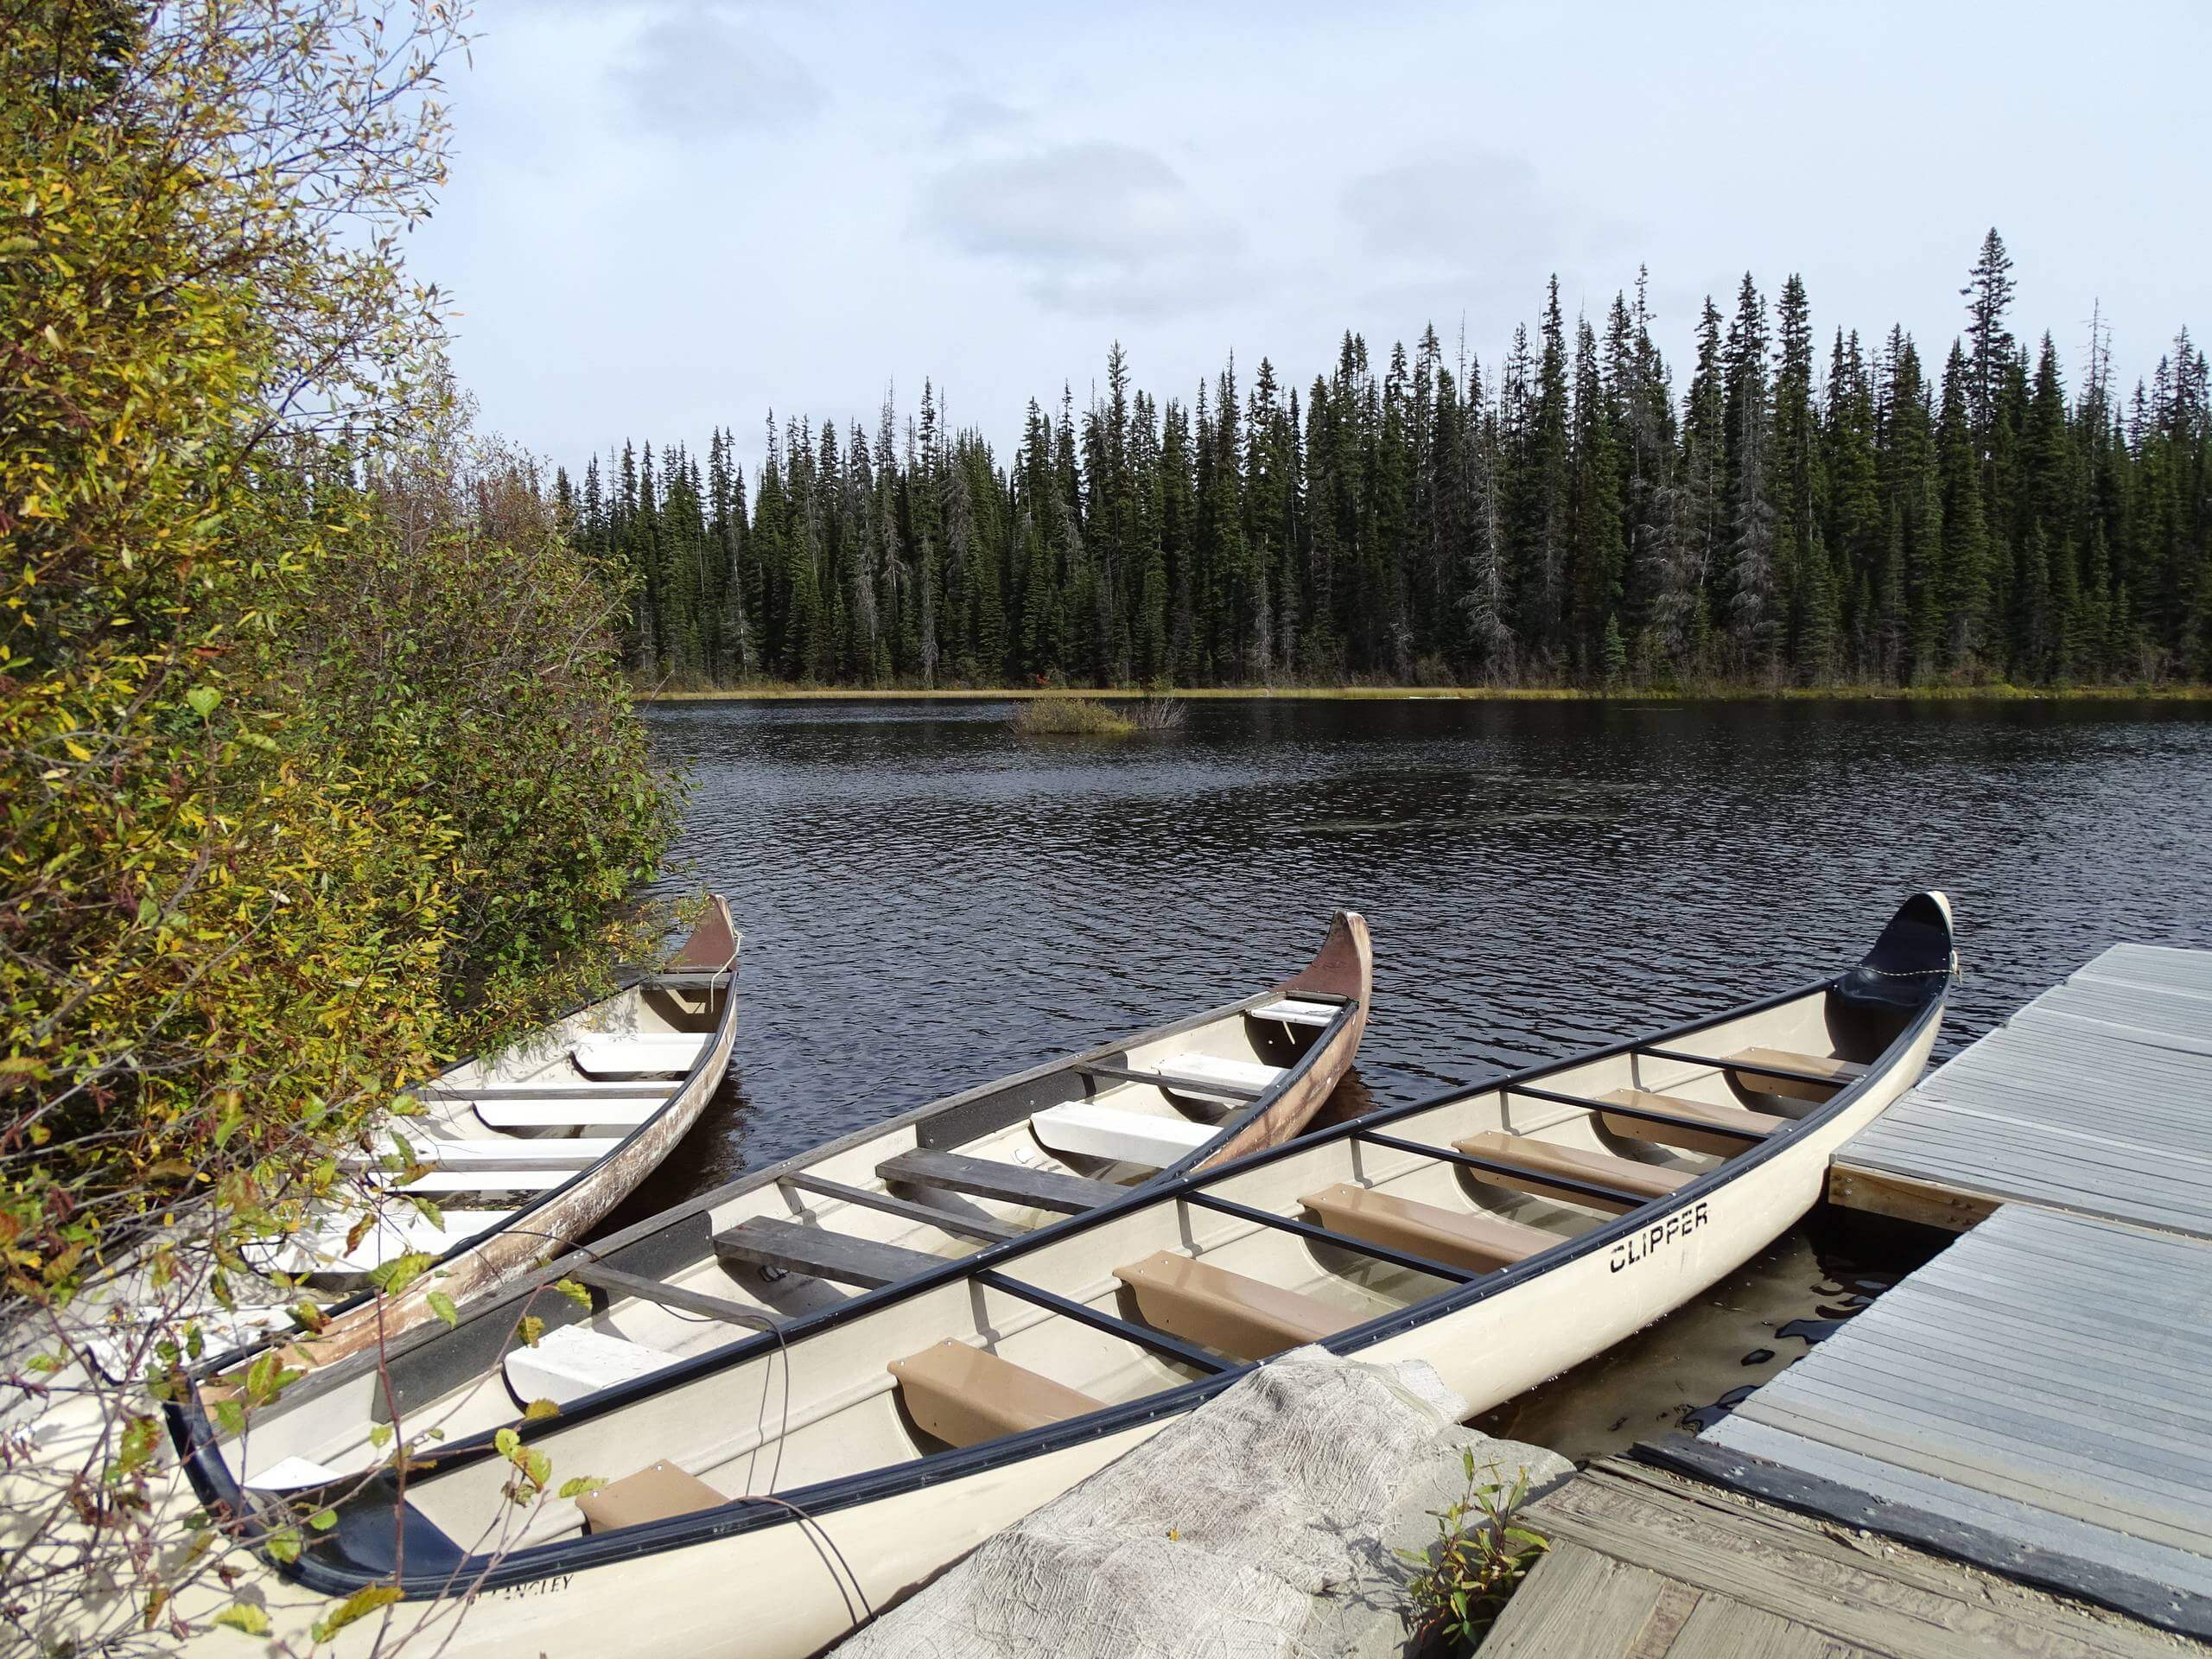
x,y
698,72
1097,228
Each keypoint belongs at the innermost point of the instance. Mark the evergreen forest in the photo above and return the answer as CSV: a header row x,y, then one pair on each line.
x,y
1801,512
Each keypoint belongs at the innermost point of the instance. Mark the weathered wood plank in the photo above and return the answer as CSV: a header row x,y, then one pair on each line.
x,y
1577,1604
1850,1589
820,1253
616,1282
1041,1189
1931,1204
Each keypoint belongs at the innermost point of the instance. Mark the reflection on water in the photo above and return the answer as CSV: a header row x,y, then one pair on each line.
x,y
929,900
1687,1371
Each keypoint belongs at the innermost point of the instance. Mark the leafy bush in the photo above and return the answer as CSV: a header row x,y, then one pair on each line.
x,y
1459,1583
315,767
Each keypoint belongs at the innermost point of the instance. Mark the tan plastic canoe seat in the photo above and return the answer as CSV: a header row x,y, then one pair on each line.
x,y
964,1395
1226,1312
1533,1160
1843,1072
652,1494
1756,1124
1478,1242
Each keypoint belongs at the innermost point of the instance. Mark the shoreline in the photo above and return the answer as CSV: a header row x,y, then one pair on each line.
x,y
1994,693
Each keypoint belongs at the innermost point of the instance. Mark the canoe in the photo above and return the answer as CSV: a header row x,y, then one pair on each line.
x,y
788,1483
524,1151
990,1164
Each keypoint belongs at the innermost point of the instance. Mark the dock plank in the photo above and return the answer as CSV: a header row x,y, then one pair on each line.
x,y
2096,1098
1744,1579
2047,1379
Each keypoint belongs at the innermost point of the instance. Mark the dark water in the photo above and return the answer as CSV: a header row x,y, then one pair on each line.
x,y
929,900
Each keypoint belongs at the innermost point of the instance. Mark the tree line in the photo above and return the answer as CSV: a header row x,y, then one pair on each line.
x,y
1801,513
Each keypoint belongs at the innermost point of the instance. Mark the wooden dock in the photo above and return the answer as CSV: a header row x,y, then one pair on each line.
x,y
2026,1418
1647,1565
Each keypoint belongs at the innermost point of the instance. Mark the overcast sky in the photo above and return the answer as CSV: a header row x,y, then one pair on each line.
x,y
669,215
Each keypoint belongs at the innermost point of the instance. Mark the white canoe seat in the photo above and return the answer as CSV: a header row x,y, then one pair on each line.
x,y
1292,1011
577,1360
554,1113
1090,1130
401,1232
1235,1080
292,1475
965,1396
636,1054
578,1151
480,1179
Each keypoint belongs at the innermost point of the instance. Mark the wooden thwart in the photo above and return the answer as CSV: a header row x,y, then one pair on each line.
x,y
963,1396
820,1254
986,1177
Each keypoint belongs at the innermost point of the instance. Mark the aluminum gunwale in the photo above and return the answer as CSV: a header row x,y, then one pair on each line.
x,y
213,1478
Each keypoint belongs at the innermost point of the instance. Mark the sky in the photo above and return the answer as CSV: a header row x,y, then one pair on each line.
x,y
668,215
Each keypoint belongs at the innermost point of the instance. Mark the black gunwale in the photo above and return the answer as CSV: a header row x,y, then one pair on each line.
x,y
213,1481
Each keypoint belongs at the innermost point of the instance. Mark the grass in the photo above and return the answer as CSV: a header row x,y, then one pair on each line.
x,y
769,691
1071,717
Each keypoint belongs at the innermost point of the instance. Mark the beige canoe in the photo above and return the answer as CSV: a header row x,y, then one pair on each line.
x,y
767,1492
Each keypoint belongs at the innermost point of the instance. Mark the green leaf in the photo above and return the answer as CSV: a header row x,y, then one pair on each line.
x,y
244,1616
323,1520
380,1435
578,1485
507,1441
284,1545
538,1408
532,1328
360,1605
203,699
441,1304
575,1292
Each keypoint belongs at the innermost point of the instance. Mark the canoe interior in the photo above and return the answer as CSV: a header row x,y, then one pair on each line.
x,y
823,1407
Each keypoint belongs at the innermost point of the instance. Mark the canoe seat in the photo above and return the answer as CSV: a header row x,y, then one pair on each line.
x,y
567,1152
987,1178
1094,1131
1292,1011
1227,1312
477,1179
654,1493
1194,1074
964,1395
1478,1242
401,1231
576,1360
295,1474
637,1054
1626,1183
821,1253
616,1112
1842,1071
1757,1125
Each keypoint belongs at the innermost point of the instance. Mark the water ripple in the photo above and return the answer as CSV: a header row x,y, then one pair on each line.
x,y
929,900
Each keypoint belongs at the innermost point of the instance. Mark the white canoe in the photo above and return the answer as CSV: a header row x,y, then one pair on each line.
x,y
780,1485
525,1152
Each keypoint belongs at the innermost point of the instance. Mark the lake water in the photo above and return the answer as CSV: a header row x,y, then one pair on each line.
x,y
929,900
